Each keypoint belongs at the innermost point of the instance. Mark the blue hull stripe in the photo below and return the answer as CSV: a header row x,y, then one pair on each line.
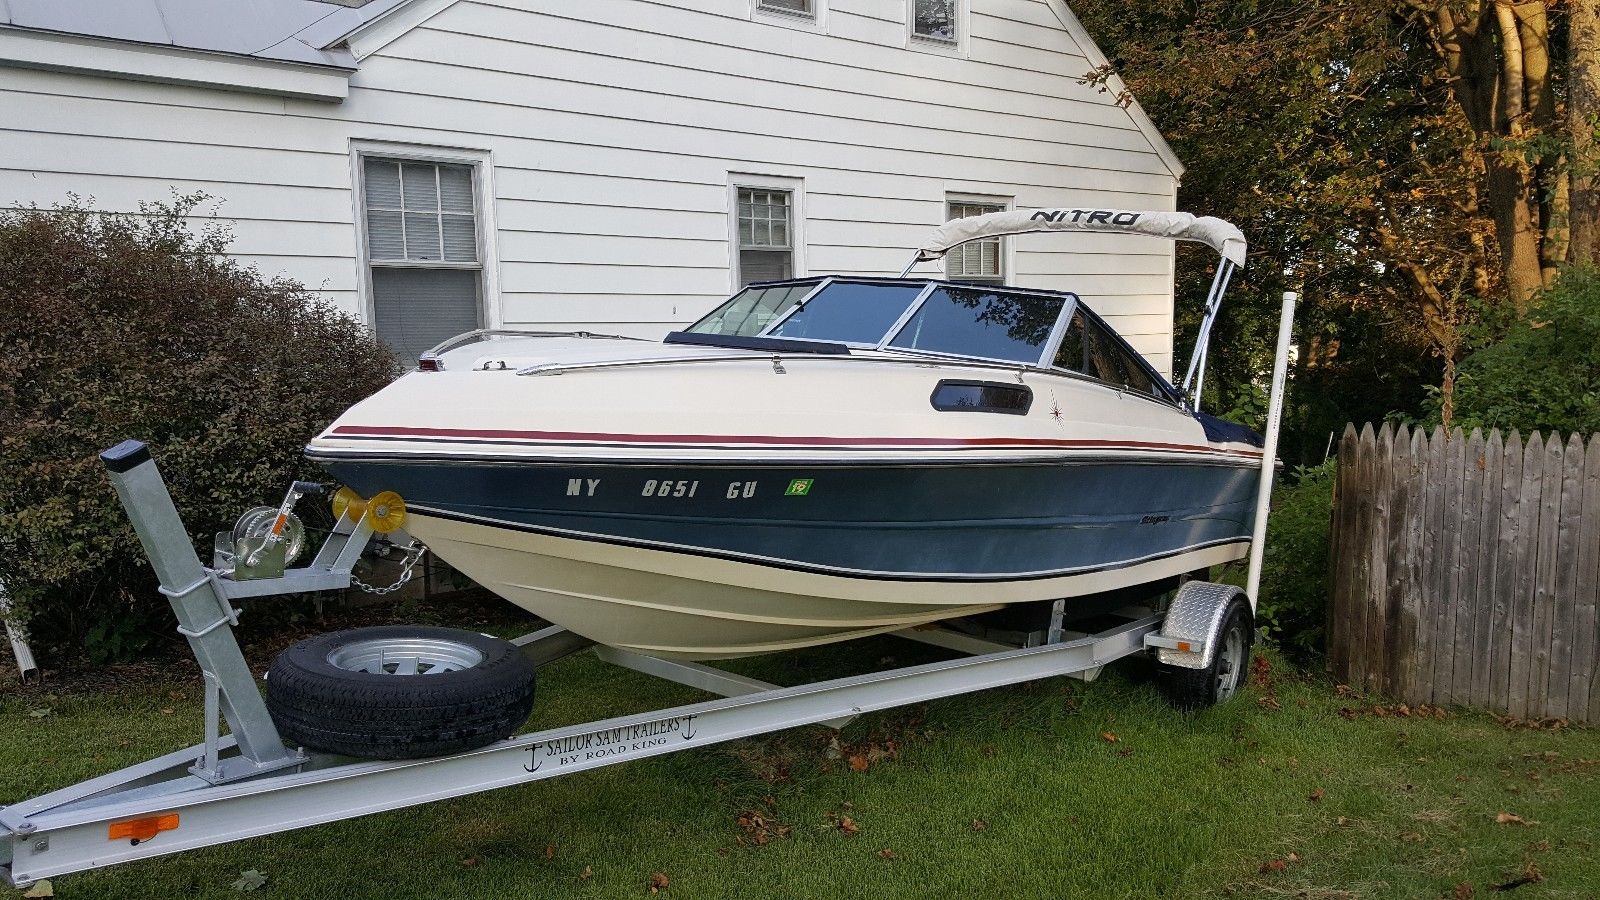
x,y
954,522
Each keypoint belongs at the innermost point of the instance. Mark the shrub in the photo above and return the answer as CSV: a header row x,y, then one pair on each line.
x,y
120,326
1294,572
1544,373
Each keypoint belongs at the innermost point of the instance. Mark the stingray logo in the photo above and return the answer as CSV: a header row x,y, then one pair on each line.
x,y
799,487
1086,216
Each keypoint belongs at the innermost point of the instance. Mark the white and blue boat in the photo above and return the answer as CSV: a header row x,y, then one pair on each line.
x,y
817,459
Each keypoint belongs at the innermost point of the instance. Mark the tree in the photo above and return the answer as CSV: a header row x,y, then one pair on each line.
x,y
1497,59
1583,116
1325,131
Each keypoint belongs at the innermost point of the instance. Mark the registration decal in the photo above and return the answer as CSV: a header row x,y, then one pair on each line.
x,y
799,487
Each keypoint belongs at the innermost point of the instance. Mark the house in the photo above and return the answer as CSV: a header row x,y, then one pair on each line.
x,y
619,166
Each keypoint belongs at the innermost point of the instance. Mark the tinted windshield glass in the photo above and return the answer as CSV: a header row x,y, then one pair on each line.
x,y
849,313
984,323
751,310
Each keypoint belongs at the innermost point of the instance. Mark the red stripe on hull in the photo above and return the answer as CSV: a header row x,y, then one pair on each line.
x,y
771,440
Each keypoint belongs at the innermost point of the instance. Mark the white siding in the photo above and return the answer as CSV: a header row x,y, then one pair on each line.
x,y
612,129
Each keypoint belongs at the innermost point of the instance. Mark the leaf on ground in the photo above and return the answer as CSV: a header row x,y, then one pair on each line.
x,y
858,763
886,853
979,825
848,825
1272,866
1506,818
658,882
1109,737
1530,875
250,880
469,861
1316,795
549,851
1269,702
40,713
41,889
1463,891
166,710
586,874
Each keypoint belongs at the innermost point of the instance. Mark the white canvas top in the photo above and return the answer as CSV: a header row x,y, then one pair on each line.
x,y
1221,236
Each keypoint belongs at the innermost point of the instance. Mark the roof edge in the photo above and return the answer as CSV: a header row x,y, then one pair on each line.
x,y
378,32
32,48
1141,119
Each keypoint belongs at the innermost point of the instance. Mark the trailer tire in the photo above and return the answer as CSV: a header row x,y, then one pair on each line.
x,y
1192,689
399,691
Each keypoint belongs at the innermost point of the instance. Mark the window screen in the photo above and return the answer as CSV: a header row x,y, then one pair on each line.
x,y
422,246
766,247
934,20
792,7
416,309
975,260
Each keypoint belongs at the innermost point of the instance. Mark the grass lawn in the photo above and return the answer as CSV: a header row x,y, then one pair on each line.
x,y
1053,789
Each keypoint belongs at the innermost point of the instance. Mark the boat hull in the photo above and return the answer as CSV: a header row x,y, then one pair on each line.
x,y
698,560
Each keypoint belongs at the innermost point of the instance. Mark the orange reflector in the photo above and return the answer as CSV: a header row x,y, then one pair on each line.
x,y
143,829
1185,647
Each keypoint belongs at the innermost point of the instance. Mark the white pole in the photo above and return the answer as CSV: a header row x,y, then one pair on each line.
x,y
26,667
1269,458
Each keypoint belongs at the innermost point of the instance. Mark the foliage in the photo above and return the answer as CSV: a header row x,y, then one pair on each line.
x,y
123,326
1294,574
1321,128
1544,373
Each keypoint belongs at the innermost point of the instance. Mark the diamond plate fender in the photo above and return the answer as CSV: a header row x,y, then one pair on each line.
x,y
1195,618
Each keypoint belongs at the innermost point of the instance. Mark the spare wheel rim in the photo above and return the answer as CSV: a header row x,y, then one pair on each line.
x,y
405,656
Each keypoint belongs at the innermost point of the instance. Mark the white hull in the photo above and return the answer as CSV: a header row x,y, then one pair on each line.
x,y
693,607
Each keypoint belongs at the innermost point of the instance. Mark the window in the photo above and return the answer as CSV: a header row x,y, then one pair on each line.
x,y
849,313
766,234
935,20
1090,347
982,323
979,261
845,311
422,246
806,8
982,396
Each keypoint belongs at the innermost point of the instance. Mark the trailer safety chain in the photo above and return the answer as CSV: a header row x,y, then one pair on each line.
x,y
413,551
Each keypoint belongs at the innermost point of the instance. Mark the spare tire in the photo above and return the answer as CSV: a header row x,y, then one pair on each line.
x,y
399,691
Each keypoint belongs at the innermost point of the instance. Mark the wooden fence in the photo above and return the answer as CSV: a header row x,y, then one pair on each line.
x,y
1466,570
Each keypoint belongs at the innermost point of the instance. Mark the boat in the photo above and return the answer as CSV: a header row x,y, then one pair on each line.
x,y
817,459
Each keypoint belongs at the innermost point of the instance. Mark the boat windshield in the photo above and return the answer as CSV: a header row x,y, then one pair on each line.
x,y
843,312
983,323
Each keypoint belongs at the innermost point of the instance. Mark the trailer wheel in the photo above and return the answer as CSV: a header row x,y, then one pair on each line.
x,y
1191,689
399,691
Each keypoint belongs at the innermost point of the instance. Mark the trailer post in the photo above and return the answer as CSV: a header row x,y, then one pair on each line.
x,y
205,615
1269,456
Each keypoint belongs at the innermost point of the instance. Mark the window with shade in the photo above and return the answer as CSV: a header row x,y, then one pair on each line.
x,y
766,235
980,261
422,246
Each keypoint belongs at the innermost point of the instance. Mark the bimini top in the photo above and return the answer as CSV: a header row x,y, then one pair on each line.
x,y
1221,236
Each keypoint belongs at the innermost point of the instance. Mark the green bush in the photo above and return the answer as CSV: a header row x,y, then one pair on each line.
x,y
116,326
1544,373
1294,572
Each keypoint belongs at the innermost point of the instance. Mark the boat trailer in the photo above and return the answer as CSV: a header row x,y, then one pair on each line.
x,y
248,783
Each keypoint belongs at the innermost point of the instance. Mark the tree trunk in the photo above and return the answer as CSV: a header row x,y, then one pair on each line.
x,y
1516,218
1583,114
